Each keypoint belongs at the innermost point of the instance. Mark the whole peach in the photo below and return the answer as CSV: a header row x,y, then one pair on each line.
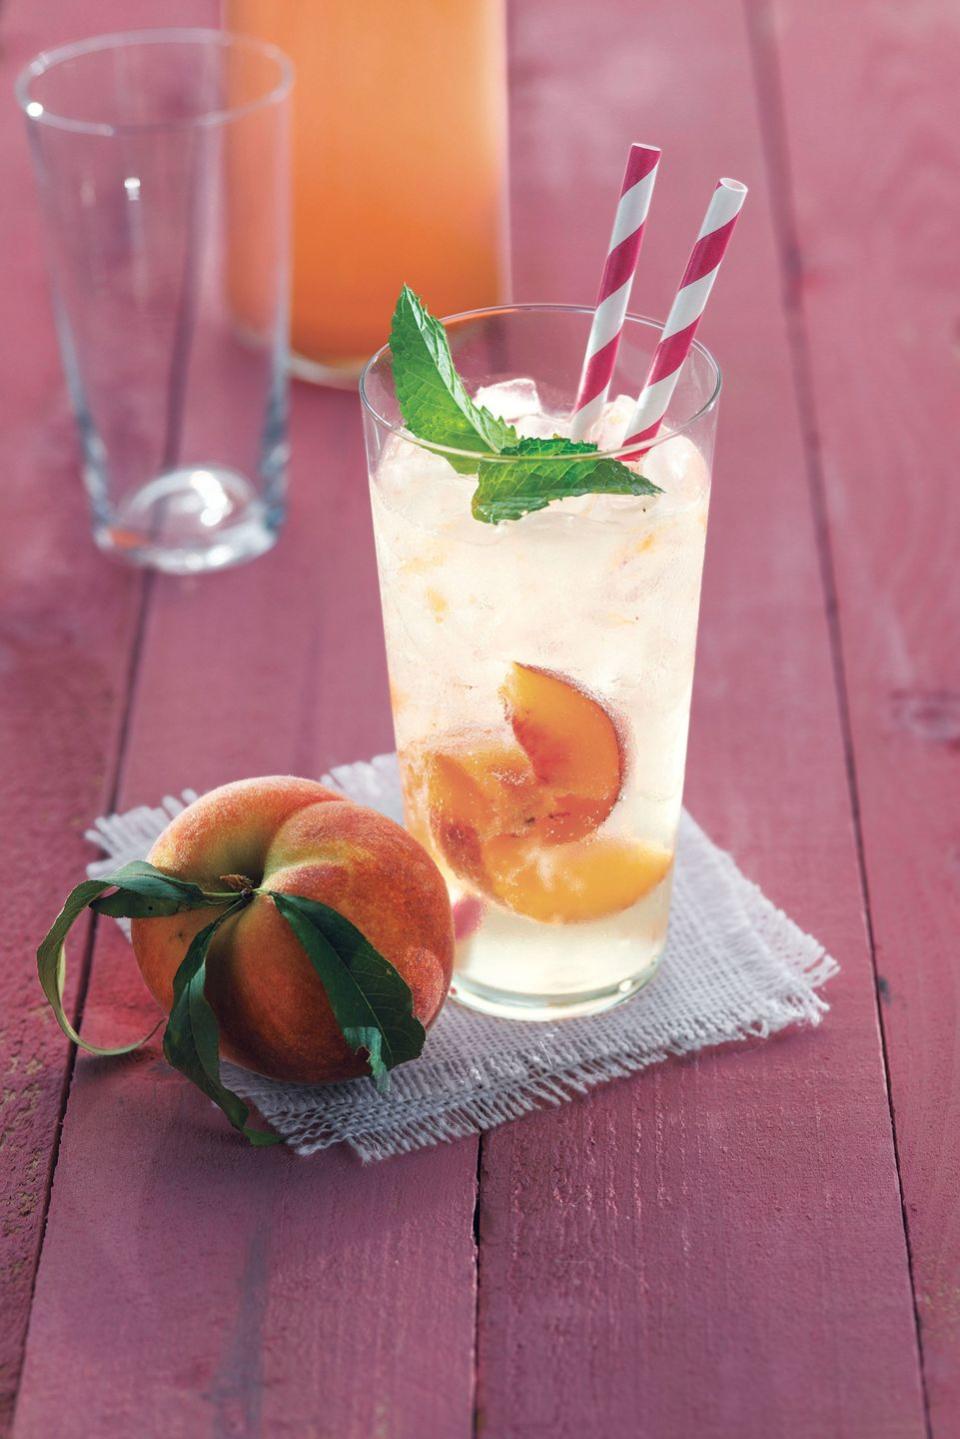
x,y
294,836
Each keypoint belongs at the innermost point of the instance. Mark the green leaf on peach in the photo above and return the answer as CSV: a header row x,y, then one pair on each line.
x,y
141,890
144,891
191,1041
371,1002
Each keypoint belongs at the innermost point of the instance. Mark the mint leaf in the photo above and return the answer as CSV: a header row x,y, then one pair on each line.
x,y
566,467
436,407
191,1041
141,890
371,1002
433,400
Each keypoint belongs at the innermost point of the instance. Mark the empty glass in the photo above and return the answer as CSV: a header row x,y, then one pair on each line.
x,y
163,167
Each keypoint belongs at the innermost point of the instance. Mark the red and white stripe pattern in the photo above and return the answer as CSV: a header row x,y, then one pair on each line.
x,y
687,308
615,284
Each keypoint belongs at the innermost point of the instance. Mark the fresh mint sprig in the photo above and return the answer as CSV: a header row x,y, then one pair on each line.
x,y
436,407
549,470
433,400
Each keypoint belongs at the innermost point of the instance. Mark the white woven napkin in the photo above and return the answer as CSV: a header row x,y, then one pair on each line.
x,y
735,967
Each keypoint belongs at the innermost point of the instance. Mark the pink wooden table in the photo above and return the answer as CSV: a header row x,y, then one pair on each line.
x,y
762,1241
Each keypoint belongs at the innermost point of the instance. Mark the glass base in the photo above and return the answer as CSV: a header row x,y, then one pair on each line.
x,y
190,521
541,1008
336,374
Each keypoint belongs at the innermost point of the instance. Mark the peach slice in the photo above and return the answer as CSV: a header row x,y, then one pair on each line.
x,y
570,883
555,785
573,747
485,784
475,790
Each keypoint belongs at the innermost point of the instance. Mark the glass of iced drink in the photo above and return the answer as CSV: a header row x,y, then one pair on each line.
x,y
541,666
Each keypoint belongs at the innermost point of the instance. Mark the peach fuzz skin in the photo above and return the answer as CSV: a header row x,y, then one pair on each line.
x,y
294,836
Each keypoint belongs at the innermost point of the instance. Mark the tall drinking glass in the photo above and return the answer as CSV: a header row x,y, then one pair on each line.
x,y
399,163
181,403
541,668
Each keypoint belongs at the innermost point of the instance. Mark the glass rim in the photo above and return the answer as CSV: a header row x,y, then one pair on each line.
x,y
619,453
47,60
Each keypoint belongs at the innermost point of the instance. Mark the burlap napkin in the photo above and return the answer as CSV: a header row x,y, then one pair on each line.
x,y
735,967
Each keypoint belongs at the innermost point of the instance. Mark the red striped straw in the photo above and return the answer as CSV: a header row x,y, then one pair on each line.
x,y
623,252
685,312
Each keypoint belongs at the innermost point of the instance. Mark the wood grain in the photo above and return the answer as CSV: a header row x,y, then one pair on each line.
x,y
716,1247
877,335
67,622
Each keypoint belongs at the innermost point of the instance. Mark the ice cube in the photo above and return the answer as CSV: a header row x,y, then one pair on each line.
x,y
543,427
510,399
611,428
678,467
420,486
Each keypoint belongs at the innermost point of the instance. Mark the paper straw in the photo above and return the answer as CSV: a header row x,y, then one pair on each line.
x,y
614,292
687,308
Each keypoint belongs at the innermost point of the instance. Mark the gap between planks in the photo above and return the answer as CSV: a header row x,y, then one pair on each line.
x,y
144,596
476,1416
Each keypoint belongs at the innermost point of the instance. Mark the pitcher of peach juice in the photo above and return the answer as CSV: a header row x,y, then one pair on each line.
x,y
399,167
541,667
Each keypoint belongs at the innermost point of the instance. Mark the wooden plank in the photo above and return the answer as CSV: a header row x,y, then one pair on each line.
x,y
248,1291
715,1247
67,622
879,342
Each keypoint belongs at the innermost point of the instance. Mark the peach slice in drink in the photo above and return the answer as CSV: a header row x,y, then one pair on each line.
x,y
570,883
559,781
477,788
517,822
484,784
572,745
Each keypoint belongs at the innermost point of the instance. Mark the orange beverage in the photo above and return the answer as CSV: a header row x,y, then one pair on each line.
x,y
399,164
